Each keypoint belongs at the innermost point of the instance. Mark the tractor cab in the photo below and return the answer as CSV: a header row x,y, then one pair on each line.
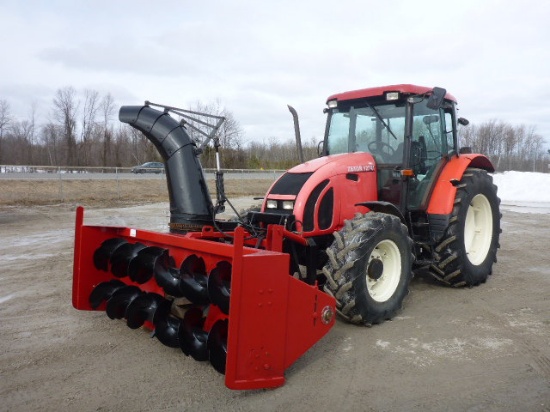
x,y
409,130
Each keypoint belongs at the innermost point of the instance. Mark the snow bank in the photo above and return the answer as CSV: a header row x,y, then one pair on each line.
x,y
523,187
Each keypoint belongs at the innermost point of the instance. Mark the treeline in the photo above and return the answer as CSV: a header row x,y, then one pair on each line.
x,y
509,147
82,130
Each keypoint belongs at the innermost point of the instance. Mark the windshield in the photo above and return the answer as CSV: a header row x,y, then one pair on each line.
x,y
377,129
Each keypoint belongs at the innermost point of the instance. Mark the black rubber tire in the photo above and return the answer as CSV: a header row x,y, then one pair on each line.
x,y
452,264
348,260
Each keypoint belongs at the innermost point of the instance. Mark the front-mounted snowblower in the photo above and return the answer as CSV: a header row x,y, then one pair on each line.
x,y
391,194
219,291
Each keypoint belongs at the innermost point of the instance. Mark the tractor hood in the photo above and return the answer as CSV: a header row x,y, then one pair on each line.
x,y
317,170
338,164
322,192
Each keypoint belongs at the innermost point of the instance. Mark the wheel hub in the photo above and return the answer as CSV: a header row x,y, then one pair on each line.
x,y
383,271
375,269
478,229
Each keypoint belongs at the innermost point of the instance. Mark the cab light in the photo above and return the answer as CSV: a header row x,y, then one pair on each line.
x,y
332,104
392,96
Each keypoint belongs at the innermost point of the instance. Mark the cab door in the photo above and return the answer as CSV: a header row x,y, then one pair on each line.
x,y
431,146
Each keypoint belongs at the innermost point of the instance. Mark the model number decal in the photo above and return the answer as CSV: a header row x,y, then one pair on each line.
x,y
361,168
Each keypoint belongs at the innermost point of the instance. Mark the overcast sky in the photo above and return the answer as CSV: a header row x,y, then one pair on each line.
x,y
256,57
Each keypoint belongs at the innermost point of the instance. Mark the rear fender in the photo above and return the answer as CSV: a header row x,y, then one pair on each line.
x,y
443,195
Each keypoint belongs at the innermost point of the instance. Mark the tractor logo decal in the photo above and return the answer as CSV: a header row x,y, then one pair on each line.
x,y
361,168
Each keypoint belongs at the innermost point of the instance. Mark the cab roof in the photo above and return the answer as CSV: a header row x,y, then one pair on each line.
x,y
379,91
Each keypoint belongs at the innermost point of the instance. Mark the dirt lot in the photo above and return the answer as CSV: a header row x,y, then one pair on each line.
x,y
480,349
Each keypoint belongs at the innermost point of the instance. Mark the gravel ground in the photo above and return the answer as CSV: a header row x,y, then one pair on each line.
x,y
486,348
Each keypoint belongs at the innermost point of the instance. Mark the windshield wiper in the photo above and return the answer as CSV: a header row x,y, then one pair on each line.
x,y
380,118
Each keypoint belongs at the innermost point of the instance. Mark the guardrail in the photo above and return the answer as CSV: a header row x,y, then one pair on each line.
x,y
43,185
110,169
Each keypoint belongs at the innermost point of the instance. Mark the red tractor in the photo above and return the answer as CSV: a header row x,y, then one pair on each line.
x,y
390,195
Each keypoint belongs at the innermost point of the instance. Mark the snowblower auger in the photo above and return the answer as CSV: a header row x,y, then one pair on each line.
x,y
221,295
248,317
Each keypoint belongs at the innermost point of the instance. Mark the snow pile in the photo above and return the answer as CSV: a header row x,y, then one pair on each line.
x,y
524,192
523,187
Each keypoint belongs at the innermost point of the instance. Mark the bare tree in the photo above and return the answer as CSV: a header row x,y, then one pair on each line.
x,y
509,147
31,137
107,108
50,138
5,120
66,107
89,114
510,141
20,142
230,135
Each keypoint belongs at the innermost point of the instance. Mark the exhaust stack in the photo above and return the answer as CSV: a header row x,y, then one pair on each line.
x,y
190,204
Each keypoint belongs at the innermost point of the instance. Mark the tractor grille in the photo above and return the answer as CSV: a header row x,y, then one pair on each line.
x,y
309,210
290,183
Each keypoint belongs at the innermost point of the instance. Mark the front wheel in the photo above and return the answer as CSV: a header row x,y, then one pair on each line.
x,y
369,268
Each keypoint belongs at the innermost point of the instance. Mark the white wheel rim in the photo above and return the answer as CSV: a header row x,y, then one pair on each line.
x,y
383,288
478,229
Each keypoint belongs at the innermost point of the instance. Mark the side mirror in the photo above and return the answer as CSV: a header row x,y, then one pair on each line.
x,y
462,121
436,98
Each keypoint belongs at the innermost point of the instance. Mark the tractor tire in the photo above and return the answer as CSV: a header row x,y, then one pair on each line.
x,y
468,248
369,268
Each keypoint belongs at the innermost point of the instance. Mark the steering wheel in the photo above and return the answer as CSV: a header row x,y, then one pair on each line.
x,y
379,149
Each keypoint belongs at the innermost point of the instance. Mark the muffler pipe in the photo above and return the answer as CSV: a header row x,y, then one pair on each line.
x,y
297,135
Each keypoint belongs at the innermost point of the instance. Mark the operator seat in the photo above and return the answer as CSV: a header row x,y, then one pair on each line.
x,y
419,155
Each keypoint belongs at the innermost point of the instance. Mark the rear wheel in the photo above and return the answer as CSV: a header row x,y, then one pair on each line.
x,y
468,249
369,268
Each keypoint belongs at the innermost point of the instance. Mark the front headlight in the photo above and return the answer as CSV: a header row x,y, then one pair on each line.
x,y
288,204
271,204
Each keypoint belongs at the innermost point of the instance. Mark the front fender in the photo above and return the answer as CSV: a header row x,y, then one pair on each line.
x,y
443,195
